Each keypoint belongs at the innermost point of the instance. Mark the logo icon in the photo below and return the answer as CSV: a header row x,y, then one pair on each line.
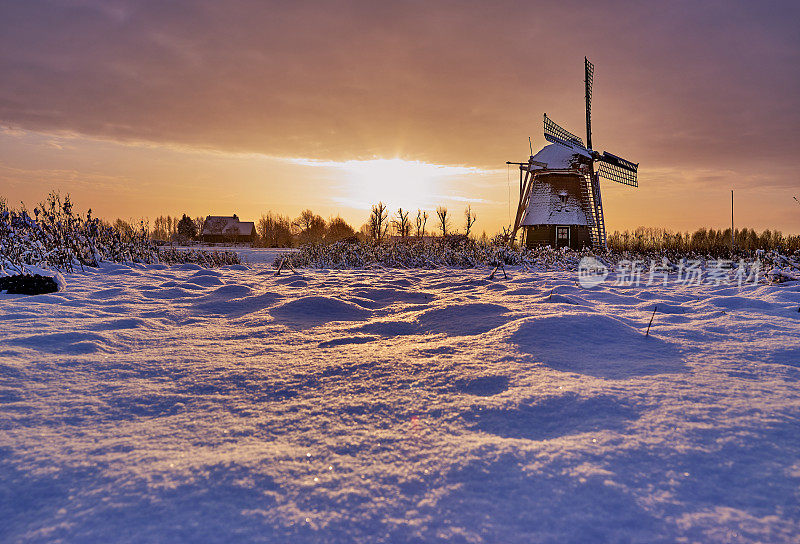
x,y
591,272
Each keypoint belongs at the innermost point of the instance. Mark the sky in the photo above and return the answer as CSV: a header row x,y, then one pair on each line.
x,y
142,108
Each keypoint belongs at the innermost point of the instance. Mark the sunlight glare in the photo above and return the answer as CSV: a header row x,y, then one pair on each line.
x,y
395,182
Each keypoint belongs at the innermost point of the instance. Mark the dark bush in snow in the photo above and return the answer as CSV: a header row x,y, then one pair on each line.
x,y
24,284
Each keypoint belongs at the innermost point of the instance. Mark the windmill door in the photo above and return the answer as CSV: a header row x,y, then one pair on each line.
x,y
562,236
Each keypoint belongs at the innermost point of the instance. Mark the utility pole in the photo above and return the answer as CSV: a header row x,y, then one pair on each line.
x,y
732,221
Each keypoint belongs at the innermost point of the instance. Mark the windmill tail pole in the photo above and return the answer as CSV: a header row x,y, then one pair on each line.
x,y
651,320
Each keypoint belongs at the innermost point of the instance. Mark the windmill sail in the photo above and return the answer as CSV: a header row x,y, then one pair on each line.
x,y
618,169
589,79
559,135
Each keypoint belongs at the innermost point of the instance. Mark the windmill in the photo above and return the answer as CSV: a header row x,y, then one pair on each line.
x,y
559,187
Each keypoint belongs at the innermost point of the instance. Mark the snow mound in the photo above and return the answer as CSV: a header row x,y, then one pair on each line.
x,y
347,340
67,343
236,307
663,308
168,293
595,345
233,290
741,303
317,310
121,324
554,417
205,272
390,328
463,319
386,296
788,357
205,281
482,386
556,298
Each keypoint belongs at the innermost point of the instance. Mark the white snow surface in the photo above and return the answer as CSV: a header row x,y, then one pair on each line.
x,y
545,206
180,404
557,157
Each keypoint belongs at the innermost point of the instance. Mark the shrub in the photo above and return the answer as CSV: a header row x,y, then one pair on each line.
x,y
458,251
56,237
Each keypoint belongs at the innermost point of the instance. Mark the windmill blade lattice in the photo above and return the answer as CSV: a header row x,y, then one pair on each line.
x,y
589,75
559,135
618,169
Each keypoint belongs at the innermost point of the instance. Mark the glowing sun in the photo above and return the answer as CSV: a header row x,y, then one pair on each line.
x,y
395,182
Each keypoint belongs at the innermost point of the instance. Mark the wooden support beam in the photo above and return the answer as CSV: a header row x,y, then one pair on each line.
x,y
523,203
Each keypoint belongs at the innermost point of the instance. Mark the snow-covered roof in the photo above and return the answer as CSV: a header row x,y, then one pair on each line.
x,y
221,224
558,157
555,200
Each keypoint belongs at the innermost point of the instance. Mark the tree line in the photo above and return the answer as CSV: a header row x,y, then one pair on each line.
x,y
166,228
277,230
708,241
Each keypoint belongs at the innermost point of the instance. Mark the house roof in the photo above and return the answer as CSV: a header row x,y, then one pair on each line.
x,y
227,225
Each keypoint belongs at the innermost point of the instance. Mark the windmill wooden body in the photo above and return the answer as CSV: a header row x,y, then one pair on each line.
x,y
559,188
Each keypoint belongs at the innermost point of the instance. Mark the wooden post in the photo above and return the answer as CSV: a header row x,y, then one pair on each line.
x,y
651,320
525,183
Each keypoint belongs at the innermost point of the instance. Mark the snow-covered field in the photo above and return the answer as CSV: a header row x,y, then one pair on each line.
x,y
177,404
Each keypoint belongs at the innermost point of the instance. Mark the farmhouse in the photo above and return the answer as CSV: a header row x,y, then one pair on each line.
x,y
228,229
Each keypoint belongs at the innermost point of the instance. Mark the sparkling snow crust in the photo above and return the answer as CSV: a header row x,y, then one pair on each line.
x,y
180,404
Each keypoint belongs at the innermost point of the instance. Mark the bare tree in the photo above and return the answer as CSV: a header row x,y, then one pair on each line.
x,y
444,222
421,221
470,219
124,227
160,228
305,220
198,224
312,227
275,230
402,224
338,229
378,224
502,238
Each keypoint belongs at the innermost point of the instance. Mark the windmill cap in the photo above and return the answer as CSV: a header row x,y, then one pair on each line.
x,y
557,157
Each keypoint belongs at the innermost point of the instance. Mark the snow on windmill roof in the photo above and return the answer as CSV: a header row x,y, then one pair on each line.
x,y
558,157
555,200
